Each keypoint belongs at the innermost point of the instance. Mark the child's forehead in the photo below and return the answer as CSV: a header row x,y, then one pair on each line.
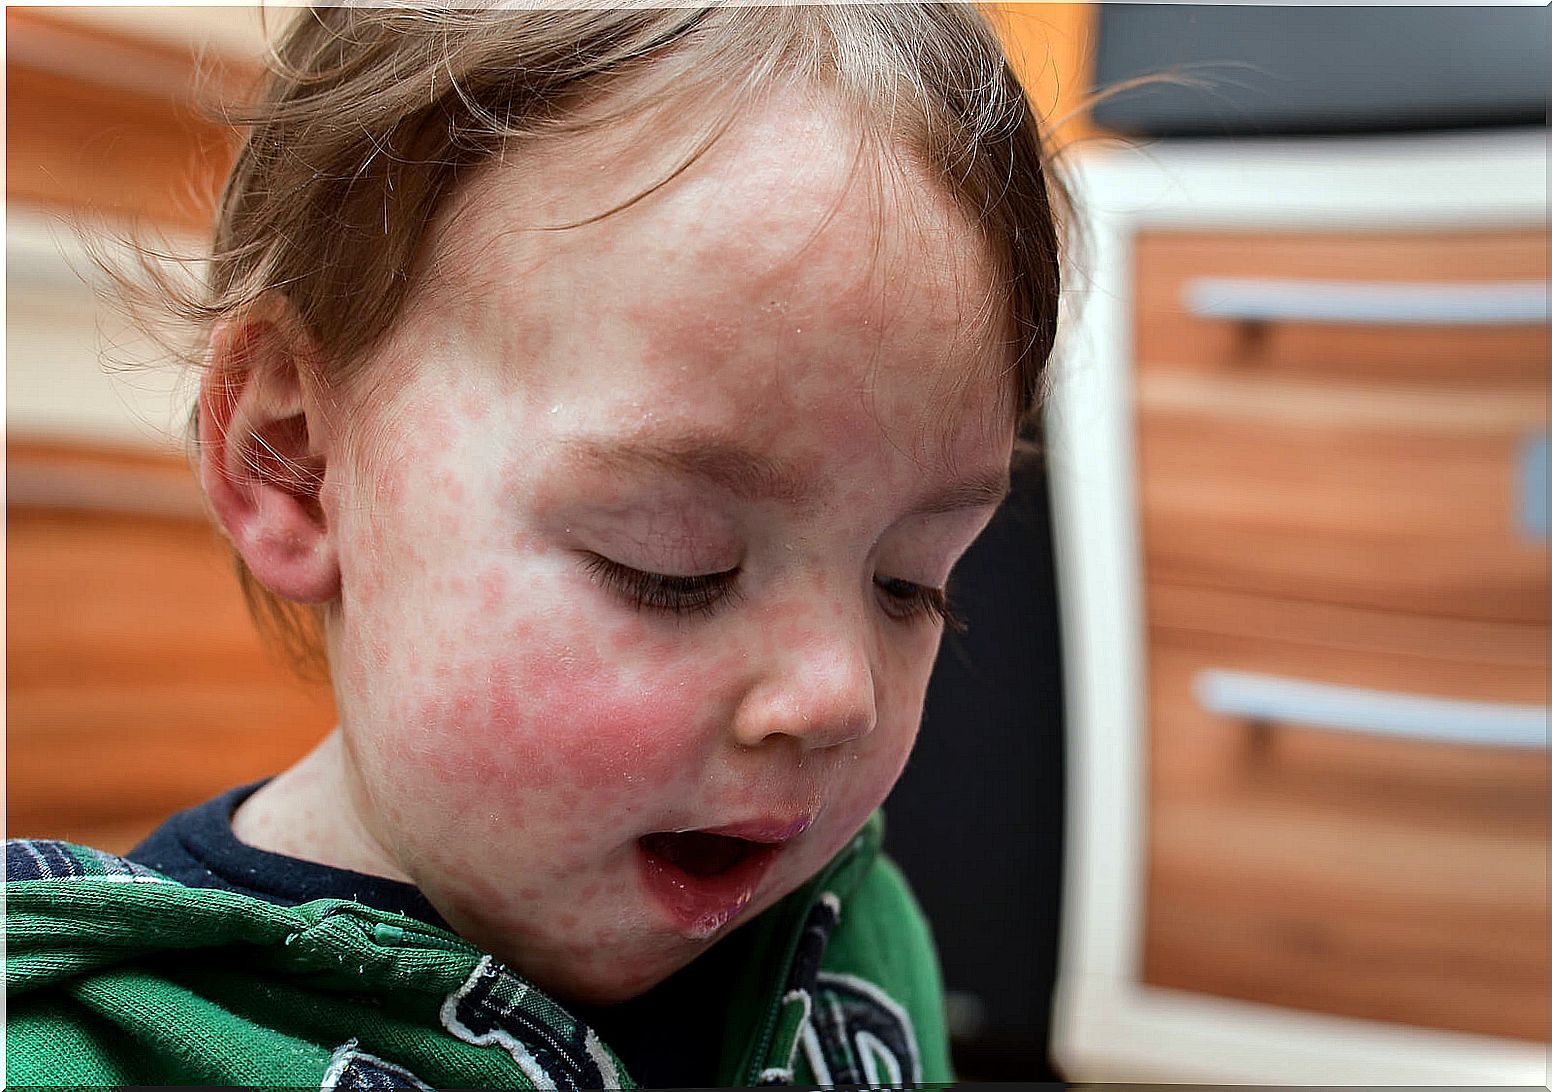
x,y
790,229
796,170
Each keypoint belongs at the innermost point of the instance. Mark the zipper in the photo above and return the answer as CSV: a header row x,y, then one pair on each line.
x,y
392,936
773,1013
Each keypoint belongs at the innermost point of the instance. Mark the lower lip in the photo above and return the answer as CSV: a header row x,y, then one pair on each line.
x,y
701,906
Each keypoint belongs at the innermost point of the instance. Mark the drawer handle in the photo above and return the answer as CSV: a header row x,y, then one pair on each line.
x,y
1247,299
1533,484
1269,699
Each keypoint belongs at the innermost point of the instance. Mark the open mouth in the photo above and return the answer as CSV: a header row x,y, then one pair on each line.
x,y
703,879
697,853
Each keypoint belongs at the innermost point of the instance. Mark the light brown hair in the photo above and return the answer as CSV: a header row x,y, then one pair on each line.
x,y
371,118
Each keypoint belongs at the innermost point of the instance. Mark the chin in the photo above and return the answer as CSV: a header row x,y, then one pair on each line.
x,y
613,990
618,976
601,993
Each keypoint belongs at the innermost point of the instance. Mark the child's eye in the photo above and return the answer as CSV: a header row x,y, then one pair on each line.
x,y
905,601
657,591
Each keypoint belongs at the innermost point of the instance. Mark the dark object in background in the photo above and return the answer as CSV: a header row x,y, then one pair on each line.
x,y
976,822
1270,70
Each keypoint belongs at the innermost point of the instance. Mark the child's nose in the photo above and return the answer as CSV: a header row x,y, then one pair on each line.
x,y
817,689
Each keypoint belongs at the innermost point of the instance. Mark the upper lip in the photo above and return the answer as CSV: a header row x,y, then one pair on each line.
x,y
766,830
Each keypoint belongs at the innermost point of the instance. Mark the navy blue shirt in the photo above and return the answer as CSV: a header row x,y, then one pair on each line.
x,y
198,849
668,1037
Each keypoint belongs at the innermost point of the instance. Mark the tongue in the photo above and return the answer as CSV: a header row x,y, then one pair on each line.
x,y
695,853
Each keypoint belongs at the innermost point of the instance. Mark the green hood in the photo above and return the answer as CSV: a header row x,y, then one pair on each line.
x,y
117,975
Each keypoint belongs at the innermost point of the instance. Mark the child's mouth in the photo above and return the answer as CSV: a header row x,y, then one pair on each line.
x,y
702,878
698,854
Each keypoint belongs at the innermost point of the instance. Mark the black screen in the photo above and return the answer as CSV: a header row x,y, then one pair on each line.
x,y
1248,70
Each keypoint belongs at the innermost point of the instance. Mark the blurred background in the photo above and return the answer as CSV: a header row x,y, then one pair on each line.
x,y
1239,774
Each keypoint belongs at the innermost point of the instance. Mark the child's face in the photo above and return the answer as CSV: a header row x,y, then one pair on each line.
x,y
635,541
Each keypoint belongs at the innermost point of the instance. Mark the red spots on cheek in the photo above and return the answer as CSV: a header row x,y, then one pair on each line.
x,y
585,744
493,590
486,890
449,485
476,759
613,728
473,407
361,581
504,703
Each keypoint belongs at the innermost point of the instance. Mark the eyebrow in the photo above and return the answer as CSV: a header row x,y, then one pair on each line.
x,y
982,491
722,462
713,459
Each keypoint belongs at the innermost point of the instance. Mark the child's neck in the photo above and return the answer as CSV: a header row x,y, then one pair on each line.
x,y
308,812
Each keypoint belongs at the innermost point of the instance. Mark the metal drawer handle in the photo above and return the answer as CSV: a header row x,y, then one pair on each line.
x,y
1268,698
1248,299
1532,482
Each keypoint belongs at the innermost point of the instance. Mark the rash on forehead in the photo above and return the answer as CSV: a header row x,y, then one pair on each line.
x,y
795,207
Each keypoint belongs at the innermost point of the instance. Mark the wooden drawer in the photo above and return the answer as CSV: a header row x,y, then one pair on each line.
x,y
1339,871
1408,498
1176,271
136,684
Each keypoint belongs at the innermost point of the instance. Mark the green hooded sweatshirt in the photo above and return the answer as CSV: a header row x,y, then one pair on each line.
x,y
116,975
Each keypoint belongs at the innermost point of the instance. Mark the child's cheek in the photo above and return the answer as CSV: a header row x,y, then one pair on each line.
x,y
591,733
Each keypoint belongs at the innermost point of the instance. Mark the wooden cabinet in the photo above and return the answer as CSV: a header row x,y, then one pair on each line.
x,y
112,114
1303,847
1189,282
135,683
1393,879
1326,519
1376,463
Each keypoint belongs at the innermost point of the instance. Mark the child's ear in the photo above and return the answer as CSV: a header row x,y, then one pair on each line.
x,y
263,451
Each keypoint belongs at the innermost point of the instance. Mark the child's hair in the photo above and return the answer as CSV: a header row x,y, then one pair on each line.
x,y
373,117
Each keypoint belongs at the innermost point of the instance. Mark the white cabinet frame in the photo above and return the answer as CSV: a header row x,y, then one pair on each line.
x,y
1108,1026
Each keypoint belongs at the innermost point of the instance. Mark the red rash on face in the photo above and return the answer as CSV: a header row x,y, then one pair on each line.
x,y
514,723
493,590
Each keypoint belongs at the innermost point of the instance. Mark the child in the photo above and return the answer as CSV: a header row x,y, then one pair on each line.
x,y
614,391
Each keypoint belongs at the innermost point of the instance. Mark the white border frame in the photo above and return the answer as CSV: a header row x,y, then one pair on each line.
x,y
1107,1025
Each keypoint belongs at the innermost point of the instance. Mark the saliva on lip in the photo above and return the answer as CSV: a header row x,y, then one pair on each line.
x,y
711,922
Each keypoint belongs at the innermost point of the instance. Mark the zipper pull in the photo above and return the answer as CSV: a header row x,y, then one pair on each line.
x,y
392,936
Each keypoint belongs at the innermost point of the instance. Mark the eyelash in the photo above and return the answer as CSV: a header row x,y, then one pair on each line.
x,y
919,601
686,595
681,595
